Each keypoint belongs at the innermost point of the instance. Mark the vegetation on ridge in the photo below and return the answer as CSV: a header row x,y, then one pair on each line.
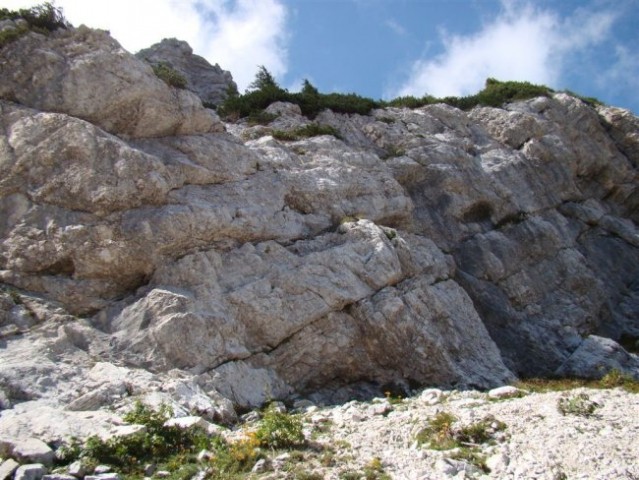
x,y
43,18
264,90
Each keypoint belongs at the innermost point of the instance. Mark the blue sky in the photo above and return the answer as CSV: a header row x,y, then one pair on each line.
x,y
386,48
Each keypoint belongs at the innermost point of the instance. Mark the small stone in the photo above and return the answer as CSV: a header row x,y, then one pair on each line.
x,y
162,473
103,476
188,422
507,391
100,469
381,408
204,455
32,471
124,431
280,461
497,462
58,476
260,466
303,404
431,396
250,417
33,450
77,469
149,469
7,468
278,407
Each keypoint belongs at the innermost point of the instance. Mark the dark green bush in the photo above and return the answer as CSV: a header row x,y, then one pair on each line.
x,y
158,442
169,75
280,430
43,18
265,90
9,35
494,94
310,130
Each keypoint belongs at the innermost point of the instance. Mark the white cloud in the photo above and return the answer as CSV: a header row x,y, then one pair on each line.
x,y
396,27
239,35
252,34
522,43
623,73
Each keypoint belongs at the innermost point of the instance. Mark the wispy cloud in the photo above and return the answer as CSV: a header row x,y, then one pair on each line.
x,y
396,27
623,74
522,43
245,35
237,34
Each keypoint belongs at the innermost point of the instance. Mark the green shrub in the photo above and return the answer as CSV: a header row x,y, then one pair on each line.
x,y
579,404
310,130
280,430
9,35
264,90
43,18
612,379
157,443
260,118
169,75
441,434
472,456
494,94
438,435
234,458
393,151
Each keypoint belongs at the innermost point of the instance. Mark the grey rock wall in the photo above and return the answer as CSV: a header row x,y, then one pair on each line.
x,y
425,247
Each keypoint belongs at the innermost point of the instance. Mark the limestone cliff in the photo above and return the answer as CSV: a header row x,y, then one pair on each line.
x,y
147,248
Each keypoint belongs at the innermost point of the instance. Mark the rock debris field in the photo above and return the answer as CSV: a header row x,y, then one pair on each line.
x,y
538,441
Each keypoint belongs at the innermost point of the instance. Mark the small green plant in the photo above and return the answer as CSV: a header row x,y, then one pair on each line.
x,y
230,459
472,456
393,151
299,474
280,430
386,120
441,434
438,435
260,118
284,136
579,404
10,34
169,75
373,470
310,130
612,379
390,233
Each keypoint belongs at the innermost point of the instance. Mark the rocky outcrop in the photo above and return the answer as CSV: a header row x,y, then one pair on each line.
x,y
87,74
204,268
207,81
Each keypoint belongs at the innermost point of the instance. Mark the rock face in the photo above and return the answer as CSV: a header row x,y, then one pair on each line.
x,y
87,74
207,81
200,267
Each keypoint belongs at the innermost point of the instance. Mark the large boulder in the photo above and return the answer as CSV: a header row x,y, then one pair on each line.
x,y
209,82
87,74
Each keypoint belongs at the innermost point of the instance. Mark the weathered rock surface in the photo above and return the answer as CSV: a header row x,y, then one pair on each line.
x,y
87,74
31,471
145,253
537,440
209,82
